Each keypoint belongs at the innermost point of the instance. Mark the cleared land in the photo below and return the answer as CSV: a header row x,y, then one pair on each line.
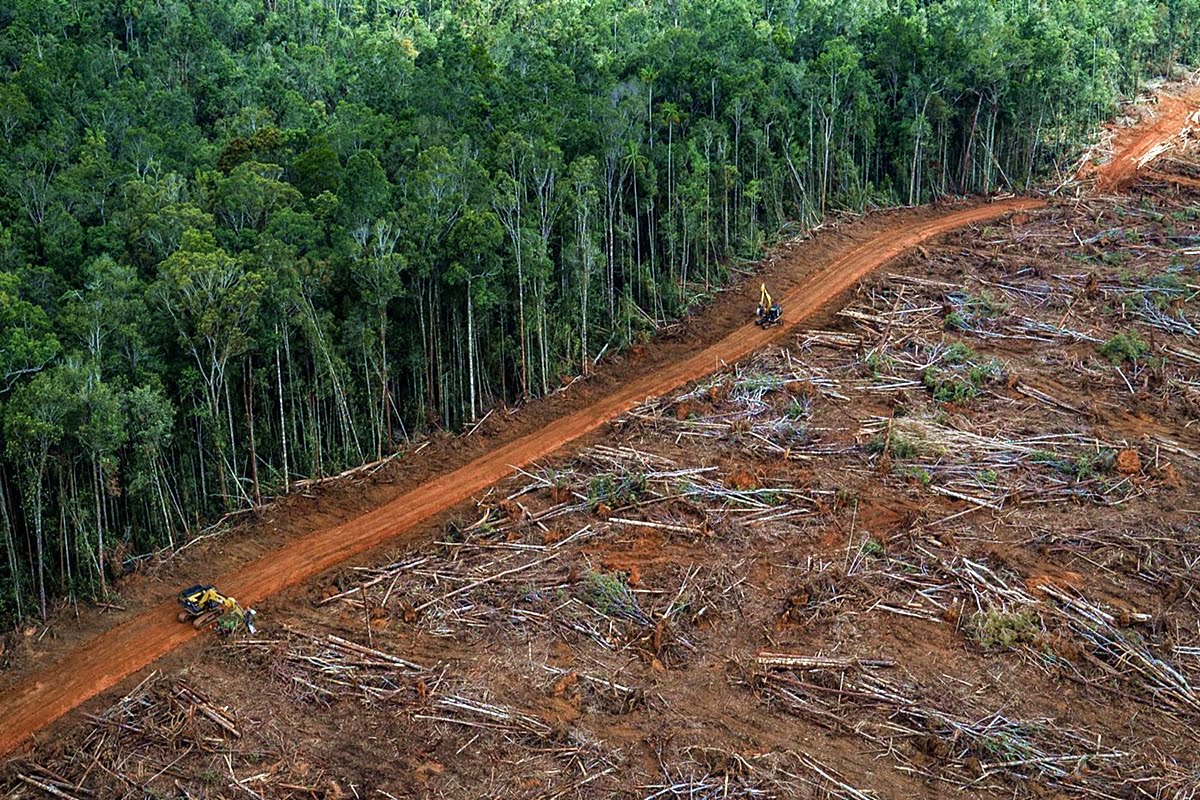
x,y
940,541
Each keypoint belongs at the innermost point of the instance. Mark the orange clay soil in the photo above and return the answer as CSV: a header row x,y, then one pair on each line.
x,y
1132,144
127,648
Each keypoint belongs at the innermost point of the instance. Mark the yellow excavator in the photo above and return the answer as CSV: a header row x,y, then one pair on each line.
x,y
204,605
768,313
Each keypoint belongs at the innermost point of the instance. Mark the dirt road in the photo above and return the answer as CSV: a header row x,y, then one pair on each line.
x,y
1133,144
118,653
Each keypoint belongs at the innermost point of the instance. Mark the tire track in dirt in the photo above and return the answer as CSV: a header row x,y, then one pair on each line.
x,y
106,660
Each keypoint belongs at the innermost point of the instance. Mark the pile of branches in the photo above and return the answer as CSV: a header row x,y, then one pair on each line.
x,y
1166,559
165,738
761,407
951,739
994,472
706,773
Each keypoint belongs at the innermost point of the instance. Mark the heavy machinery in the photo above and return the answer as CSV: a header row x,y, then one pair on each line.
x,y
768,312
204,605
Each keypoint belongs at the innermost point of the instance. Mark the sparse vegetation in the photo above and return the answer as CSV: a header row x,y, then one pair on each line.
x,y
1004,630
1126,346
949,387
616,490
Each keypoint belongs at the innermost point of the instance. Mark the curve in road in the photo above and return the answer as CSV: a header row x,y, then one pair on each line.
x,y
1171,115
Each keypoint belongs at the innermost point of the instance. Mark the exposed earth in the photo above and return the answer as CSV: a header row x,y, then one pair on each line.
x,y
936,535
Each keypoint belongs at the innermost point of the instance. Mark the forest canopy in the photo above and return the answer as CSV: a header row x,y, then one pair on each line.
x,y
247,242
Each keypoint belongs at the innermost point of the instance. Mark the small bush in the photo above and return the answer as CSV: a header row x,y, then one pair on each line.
x,y
917,474
948,387
985,305
877,363
797,410
1124,346
898,448
1004,630
958,353
608,593
616,490
1081,467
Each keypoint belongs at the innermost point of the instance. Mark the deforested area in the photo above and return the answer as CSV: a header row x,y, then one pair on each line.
x,y
247,246
938,542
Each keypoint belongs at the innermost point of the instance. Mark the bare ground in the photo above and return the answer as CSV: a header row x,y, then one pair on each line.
x,y
942,542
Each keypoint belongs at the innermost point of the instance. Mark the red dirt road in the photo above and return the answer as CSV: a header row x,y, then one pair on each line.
x,y
1132,144
106,660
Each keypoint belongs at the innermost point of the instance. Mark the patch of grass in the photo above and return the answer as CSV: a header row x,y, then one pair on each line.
x,y
917,474
899,447
949,387
988,477
958,353
872,548
1004,630
798,409
608,593
1124,346
616,490
955,322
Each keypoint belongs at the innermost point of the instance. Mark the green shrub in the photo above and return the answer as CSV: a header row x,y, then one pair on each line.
x,y
900,447
958,353
918,474
1124,346
948,387
616,490
608,593
1004,630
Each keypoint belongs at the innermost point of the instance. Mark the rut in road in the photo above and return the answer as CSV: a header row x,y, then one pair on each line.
x,y
103,662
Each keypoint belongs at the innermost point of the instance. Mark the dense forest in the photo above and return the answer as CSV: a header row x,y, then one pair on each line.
x,y
244,242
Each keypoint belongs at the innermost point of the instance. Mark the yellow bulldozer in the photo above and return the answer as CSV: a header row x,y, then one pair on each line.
x,y
204,606
768,313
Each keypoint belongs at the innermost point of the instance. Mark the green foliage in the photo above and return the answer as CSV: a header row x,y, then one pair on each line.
x,y
244,243
796,410
608,593
1124,346
1004,630
898,446
1081,467
872,548
958,353
615,490
918,474
949,387
27,341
